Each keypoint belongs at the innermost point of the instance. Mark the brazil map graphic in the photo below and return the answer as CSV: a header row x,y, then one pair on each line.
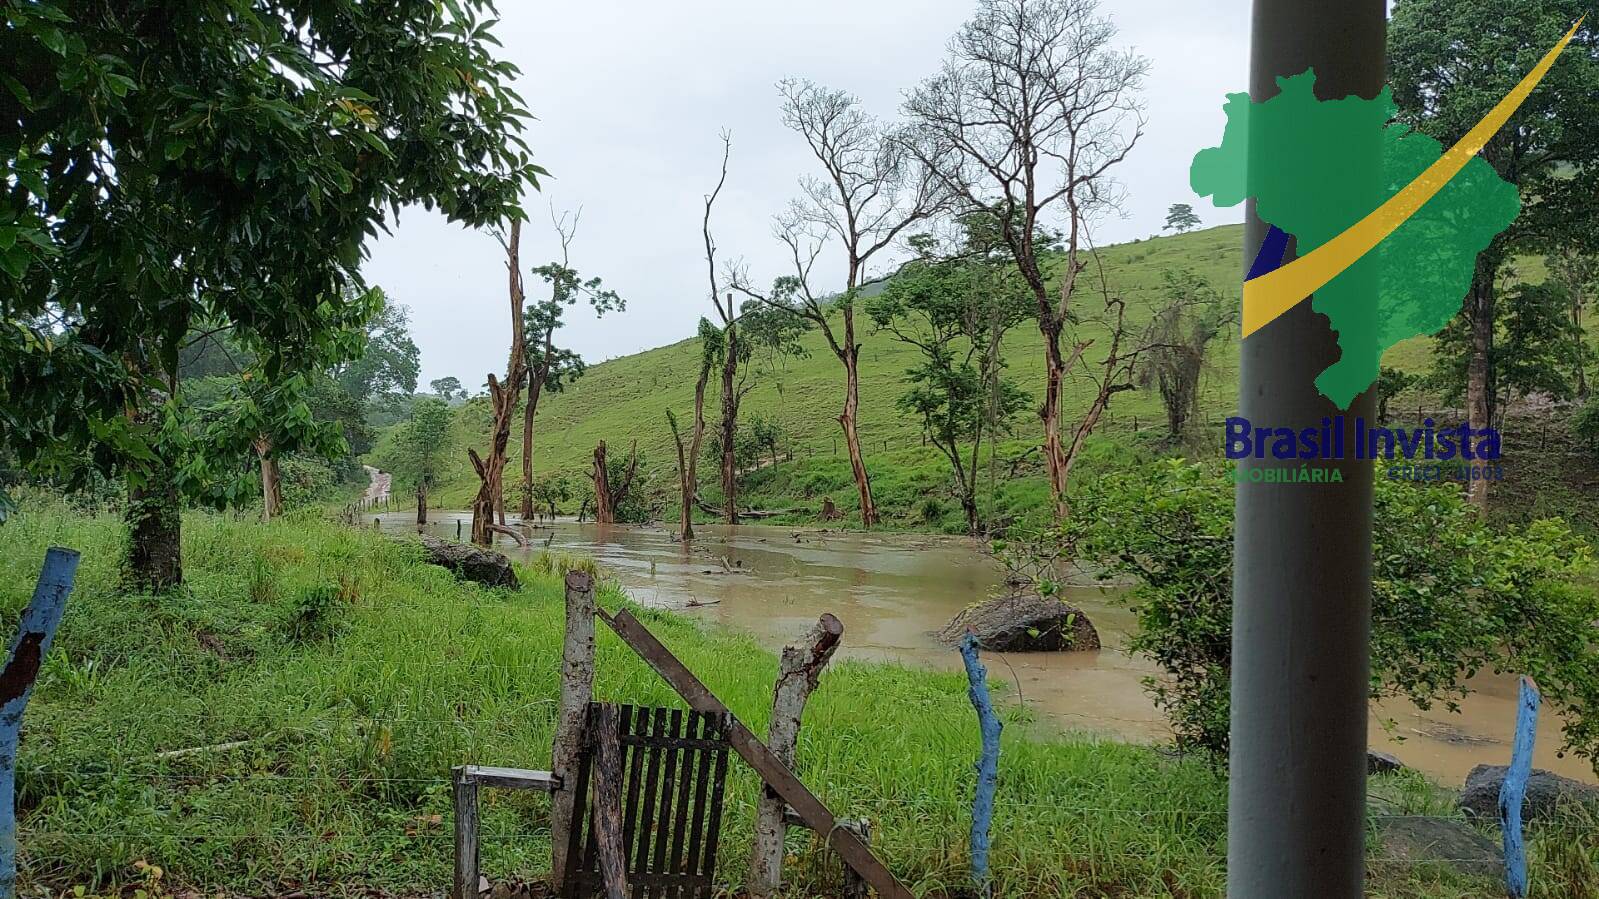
x,y
1388,223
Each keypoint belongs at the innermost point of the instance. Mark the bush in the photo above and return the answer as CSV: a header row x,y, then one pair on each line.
x,y
1585,426
314,615
1451,595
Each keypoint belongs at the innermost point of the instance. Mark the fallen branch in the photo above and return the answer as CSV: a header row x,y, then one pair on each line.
x,y
507,531
200,750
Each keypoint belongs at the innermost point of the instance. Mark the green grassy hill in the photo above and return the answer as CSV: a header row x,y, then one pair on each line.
x,y
626,399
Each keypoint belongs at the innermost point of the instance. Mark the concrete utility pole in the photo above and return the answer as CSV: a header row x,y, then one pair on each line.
x,y
1302,578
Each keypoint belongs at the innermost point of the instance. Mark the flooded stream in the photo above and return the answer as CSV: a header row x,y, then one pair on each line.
x,y
893,591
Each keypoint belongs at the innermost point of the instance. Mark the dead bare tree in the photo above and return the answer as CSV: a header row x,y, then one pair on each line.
x,y
503,397
869,193
1027,118
727,313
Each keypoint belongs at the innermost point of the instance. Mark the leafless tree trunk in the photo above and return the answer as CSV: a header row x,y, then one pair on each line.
x,y
534,388
603,513
491,471
799,671
730,403
421,503
1479,367
687,458
729,318
1033,109
608,496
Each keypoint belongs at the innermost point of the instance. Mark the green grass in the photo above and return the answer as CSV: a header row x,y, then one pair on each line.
x,y
352,723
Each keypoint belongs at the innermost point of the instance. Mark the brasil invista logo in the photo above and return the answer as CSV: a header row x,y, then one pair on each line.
x,y
1388,227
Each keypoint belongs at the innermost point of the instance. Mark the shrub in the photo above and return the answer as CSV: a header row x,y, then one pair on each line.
x,y
314,615
1585,426
1451,595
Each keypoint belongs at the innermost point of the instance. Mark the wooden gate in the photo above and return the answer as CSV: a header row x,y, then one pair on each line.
x,y
670,770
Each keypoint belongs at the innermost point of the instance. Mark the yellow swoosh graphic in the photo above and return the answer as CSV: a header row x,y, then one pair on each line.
x,y
1274,293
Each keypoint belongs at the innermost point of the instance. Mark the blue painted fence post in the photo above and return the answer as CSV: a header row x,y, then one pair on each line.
x,y
987,763
1514,789
28,646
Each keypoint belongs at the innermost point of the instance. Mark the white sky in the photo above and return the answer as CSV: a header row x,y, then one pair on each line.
x,y
630,96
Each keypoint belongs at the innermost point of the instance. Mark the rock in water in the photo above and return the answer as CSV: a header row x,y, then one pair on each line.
x,y
471,563
1382,762
1024,622
1546,792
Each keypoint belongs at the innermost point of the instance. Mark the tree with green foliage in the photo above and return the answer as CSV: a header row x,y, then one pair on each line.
x,y
389,362
1535,347
955,308
1027,119
1451,595
1577,271
224,163
551,490
1390,383
416,456
1180,217
1437,53
550,367
1194,315
447,388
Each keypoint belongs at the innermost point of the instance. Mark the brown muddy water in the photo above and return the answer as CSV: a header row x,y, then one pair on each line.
x,y
894,591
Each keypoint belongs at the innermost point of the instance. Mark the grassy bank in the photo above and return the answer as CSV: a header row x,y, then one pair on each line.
x,y
322,680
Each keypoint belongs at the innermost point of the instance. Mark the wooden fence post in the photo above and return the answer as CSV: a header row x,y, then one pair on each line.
x,y
28,646
466,857
798,673
1514,789
987,764
577,690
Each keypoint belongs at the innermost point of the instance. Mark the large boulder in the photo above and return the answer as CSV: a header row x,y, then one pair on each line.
x,y
1408,839
471,563
1024,622
1546,793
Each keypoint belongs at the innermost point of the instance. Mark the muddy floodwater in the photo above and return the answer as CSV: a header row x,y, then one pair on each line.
x,y
893,591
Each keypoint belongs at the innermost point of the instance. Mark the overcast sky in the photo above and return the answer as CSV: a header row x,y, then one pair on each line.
x,y
630,96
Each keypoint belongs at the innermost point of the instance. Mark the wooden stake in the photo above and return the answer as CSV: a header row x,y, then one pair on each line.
x,y
577,690
28,647
466,858
987,764
1513,791
798,673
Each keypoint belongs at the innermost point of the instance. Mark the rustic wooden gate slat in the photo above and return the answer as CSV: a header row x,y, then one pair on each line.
x,y
713,825
635,720
673,766
663,824
685,777
702,770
